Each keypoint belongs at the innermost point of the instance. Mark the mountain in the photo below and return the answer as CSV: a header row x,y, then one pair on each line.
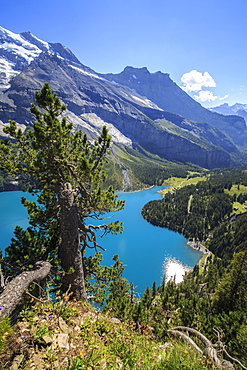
x,y
148,116
159,88
236,109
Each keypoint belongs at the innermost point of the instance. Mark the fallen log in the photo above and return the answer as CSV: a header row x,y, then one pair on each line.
x,y
15,289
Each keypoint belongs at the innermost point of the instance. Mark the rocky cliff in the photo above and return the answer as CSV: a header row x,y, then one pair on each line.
x,y
159,88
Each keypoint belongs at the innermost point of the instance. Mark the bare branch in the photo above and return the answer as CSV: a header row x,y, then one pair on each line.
x,y
15,289
209,350
234,359
186,338
1,278
202,337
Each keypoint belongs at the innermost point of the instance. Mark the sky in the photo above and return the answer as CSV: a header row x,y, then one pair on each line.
x,y
202,45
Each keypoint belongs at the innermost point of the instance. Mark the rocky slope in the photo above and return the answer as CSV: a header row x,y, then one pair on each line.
x,y
137,109
159,88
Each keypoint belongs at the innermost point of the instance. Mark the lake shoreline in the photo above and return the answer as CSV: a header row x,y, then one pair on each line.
x,y
197,246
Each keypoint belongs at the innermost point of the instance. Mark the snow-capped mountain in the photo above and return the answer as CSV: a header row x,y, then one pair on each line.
x,y
143,111
236,109
16,53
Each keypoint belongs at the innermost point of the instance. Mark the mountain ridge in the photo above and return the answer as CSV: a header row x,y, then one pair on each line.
x,y
171,98
235,109
134,119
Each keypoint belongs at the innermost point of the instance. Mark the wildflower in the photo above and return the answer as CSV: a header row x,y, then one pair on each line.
x,y
49,316
1,308
127,340
140,359
186,351
139,364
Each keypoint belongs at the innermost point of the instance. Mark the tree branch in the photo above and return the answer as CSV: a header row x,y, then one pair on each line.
x,y
209,350
15,289
186,338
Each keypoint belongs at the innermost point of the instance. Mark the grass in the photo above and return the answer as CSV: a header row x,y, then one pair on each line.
x,y
96,341
239,208
178,182
5,330
237,189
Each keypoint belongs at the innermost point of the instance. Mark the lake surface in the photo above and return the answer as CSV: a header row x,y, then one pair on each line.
x,y
147,250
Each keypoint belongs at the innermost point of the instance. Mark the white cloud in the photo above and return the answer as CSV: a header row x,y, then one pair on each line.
x,y
223,97
205,96
194,81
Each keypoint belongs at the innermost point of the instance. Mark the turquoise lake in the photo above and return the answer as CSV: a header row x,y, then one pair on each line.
x,y
144,248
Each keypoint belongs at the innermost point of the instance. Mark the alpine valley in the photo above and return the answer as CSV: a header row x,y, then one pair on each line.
x,y
154,124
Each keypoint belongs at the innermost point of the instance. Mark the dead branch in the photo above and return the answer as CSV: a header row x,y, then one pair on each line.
x,y
15,289
202,337
1,278
186,338
221,346
234,359
209,350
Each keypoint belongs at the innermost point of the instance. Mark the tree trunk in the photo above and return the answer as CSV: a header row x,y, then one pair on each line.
x,y
69,250
15,289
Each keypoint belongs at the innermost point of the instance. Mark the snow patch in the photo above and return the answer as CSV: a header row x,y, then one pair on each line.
x,y
6,73
44,43
14,48
90,74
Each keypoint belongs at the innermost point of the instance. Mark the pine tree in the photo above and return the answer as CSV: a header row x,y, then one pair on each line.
x,y
66,172
231,293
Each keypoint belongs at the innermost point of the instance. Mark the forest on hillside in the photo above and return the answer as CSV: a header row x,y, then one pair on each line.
x,y
213,297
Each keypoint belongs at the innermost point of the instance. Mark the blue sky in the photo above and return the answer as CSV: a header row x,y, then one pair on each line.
x,y
204,43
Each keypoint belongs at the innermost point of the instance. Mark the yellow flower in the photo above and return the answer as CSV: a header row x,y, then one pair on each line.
x,y
186,351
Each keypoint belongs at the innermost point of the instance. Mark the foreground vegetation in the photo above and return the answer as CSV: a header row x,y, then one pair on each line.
x,y
74,336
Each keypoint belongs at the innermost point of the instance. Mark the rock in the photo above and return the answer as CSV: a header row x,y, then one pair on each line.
x,y
63,326
77,328
47,339
36,361
16,362
115,320
61,341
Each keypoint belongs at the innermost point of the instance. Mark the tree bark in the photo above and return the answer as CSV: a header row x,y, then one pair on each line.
x,y
69,250
15,289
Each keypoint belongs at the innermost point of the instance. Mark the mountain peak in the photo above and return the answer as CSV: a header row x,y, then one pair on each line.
x,y
17,51
131,69
42,45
